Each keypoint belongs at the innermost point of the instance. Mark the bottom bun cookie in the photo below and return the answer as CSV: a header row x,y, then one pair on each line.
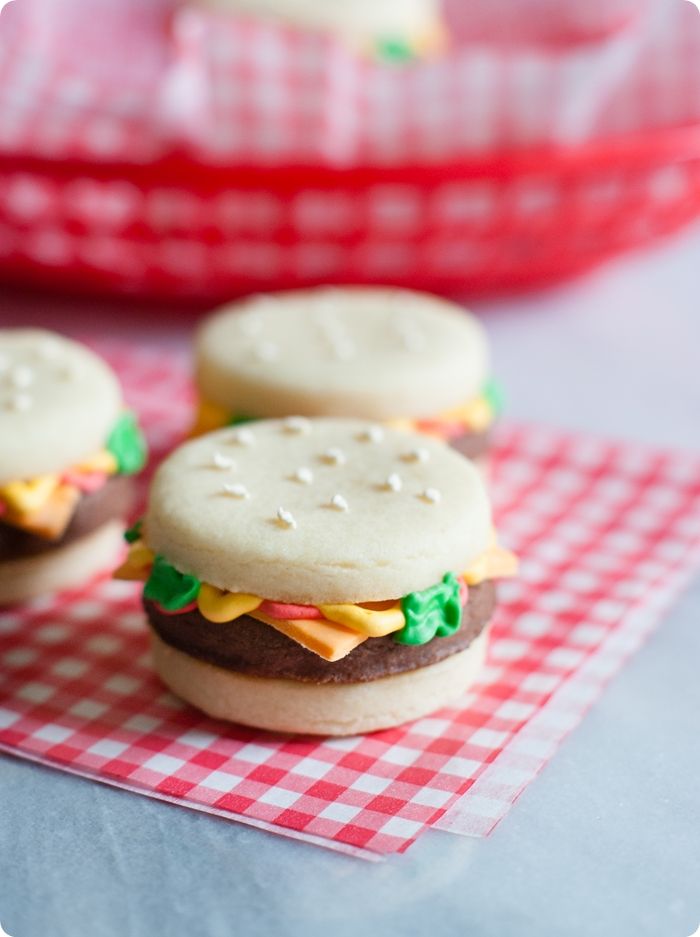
x,y
63,567
283,705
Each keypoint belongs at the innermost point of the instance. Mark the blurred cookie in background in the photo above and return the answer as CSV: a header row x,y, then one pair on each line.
x,y
68,447
396,357
383,29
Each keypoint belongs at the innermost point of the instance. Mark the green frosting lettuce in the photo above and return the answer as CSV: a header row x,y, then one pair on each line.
x,y
133,533
393,49
127,445
170,588
434,612
239,418
494,394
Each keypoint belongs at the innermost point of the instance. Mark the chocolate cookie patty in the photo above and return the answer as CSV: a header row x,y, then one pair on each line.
x,y
110,502
251,647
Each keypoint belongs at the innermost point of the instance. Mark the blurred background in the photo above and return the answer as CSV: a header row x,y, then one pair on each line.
x,y
192,152
159,156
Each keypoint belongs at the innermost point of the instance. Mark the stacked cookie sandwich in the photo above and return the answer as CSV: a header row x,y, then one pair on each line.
x,y
317,575
67,447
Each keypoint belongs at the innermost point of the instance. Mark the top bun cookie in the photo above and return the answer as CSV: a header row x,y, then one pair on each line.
x,y
58,403
313,511
374,353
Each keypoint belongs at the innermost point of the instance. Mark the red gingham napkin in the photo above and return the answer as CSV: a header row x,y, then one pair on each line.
x,y
607,532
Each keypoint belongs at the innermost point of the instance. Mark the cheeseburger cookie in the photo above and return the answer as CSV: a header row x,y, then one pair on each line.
x,y
397,357
385,29
320,576
67,447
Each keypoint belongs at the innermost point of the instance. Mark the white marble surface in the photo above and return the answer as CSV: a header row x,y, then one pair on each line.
x,y
605,842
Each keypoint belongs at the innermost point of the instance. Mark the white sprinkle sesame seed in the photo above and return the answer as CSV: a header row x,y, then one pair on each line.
x,y
69,371
411,337
393,482
296,424
286,518
48,350
267,351
19,402
371,434
236,490
303,475
339,503
21,376
334,456
222,461
419,454
432,495
243,437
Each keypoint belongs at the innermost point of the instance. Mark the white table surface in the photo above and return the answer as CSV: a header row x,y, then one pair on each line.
x,y
604,843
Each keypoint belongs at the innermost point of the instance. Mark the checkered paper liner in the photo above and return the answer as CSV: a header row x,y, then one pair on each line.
x,y
238,90
608,533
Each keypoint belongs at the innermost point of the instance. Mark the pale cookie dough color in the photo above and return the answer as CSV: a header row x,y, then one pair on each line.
x,y
317,511
414,24
58,402
317,575
379,354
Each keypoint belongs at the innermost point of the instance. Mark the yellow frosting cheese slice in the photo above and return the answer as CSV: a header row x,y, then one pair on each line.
x,y
210,416
343,626
494,563
219,606
51,518
476,413
102,461
137,564
23,497
373,623
403,425
43,505
325,638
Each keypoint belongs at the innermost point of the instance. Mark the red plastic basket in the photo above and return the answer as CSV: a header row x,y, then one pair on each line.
x,y
177,228
236,155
